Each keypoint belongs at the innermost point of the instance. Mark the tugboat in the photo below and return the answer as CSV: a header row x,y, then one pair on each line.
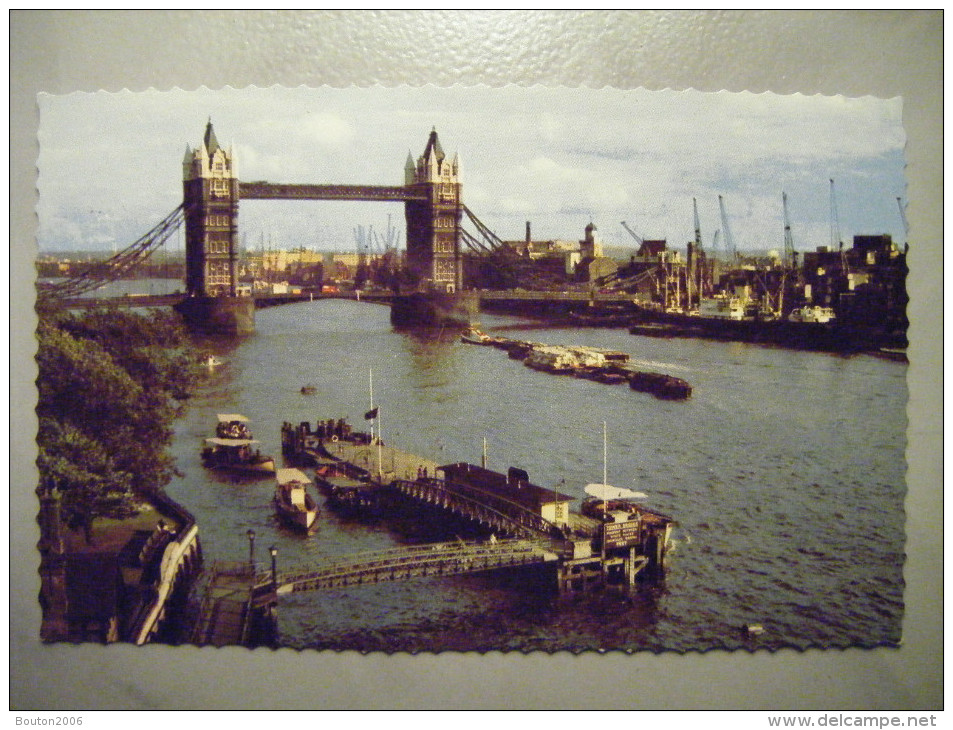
x,y
292,502
231,448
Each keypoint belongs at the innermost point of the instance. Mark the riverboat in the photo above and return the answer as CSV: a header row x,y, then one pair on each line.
x,y
236,455
292,502
231,448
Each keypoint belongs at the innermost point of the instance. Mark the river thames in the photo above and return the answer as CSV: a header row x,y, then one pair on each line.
x,y
784,471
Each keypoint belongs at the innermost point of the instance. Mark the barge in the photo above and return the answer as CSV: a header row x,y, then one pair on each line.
x,y
589,363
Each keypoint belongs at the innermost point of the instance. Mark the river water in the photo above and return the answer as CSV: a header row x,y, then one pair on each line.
x,y
785,473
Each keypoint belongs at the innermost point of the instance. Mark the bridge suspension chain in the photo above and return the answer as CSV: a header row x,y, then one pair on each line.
x,y
99,274
491,242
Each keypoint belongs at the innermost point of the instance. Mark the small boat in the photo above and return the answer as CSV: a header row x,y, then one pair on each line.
x,y
292,501
236,455
308,390
231,447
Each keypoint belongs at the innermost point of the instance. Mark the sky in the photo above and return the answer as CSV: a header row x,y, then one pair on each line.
x,y
110,164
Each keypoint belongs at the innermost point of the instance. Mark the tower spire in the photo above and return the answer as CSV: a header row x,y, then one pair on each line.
x,y
433,143
211,143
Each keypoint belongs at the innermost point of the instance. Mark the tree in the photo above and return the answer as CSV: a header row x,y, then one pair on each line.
x,y
110,385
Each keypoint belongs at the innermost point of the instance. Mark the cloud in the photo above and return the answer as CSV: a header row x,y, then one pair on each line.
x,y
557,157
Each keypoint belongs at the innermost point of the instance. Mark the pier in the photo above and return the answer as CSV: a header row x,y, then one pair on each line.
x,y
612,544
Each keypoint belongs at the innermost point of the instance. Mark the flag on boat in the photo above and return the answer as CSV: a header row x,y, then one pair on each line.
x,y
371,414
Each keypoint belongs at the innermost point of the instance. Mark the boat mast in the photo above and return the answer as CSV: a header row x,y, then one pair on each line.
x,y
605,502
373,422
374,419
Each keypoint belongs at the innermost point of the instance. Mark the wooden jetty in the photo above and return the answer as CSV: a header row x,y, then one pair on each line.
x,y
610,548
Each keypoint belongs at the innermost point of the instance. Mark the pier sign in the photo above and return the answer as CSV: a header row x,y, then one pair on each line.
x,y
621,534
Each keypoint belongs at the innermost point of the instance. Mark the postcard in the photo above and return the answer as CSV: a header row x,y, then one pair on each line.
x,y
471,369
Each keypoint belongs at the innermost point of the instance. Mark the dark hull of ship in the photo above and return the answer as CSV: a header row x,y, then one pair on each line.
x,y
830,337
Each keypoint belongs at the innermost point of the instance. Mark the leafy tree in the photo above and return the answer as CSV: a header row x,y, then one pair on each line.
x,y
110,385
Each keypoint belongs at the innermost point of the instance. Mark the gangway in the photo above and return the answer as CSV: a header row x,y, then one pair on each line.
x,y
435,559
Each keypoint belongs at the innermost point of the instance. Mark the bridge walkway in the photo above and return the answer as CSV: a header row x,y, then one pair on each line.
x,y
450,558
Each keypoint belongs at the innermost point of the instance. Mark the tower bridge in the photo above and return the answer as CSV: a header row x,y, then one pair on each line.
x,y
431,195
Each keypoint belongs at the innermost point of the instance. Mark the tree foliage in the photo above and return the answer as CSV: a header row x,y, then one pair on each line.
x,y
110,385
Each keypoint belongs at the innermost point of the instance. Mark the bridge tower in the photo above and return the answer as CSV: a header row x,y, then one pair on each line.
x,y
433,224
433,210
210,194
210,186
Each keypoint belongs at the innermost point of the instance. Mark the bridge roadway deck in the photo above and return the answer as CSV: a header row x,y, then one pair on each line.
x,y
381,297
451,558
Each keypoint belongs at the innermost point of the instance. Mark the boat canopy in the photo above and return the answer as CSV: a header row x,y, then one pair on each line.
x,y
230,442
232,417
289,476
606,491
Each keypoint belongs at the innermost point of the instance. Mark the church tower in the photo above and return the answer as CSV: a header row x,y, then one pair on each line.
x,y
433,223
211,192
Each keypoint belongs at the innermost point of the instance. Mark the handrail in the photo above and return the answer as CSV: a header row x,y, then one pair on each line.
x,y
403,555
445,558
527,517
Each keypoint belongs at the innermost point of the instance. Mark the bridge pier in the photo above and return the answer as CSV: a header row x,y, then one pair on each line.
x,y
218,315
434,309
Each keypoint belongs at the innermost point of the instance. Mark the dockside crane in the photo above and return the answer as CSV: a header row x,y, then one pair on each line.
x,y
789,263
730,251
696,277
836,241
637,237
903,219
790,255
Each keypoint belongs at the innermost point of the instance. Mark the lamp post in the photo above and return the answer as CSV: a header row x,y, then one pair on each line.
x,y
251,546
274,570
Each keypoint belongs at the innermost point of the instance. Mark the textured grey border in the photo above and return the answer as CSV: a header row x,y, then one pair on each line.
x,y
856,53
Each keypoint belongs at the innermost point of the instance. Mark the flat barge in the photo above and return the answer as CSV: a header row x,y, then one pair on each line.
x,y
606,543
601,366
